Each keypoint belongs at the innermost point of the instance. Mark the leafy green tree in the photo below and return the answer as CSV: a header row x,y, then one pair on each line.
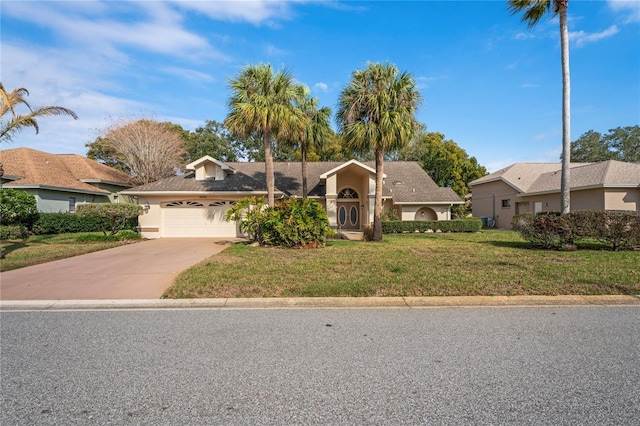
x,y
12,122
17,208
590,148
261,105
625,142
113,216
532,11
445,162
621,143
376,112
100,151
316,133
212,139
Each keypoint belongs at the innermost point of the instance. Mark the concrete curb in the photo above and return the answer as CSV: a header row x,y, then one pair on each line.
x,y
320,302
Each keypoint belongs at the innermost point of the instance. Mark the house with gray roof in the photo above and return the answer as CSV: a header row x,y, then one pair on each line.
x,y
59,182
194,204
535,187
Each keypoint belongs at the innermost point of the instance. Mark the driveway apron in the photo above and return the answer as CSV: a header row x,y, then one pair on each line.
x,y
142,270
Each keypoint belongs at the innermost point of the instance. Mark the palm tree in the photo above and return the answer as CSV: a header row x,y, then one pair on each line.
x,y
261,105
376,111
316,133
534,10
16,122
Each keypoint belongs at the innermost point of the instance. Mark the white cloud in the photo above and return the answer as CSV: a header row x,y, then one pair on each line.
x,y
631,8
151,26
189,74
323,87
581,37
529,85
271,50
252,11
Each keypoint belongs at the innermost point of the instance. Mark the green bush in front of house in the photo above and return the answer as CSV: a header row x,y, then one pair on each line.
x,y
471,224
13,232
64,223
551,230
111,216
17,208
292,222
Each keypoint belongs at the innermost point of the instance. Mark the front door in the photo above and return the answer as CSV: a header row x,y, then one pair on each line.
x,y
349,215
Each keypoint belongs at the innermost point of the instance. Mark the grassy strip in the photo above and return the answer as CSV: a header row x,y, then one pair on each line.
x,y
484,263
46,248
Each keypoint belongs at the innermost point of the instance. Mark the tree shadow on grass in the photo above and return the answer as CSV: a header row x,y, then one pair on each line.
x,y
11,247
509,244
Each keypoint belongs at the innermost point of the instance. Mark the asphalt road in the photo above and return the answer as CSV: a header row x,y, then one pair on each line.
x,y
533,365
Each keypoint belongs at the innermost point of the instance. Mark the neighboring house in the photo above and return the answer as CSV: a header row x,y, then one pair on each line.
x,y
61,181
535,187
194,204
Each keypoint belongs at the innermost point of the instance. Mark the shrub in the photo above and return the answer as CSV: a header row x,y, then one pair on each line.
x,y
112,217
545,230
13,232
471,224
620,229
390,215
292,222
126,235
17,208
63,223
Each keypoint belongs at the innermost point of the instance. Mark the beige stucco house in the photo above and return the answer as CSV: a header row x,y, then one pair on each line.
x,y
60,182
535,187
194,204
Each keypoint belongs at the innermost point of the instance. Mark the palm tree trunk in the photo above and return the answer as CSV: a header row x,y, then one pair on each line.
x,y
305,172
565,182
377,212
268,169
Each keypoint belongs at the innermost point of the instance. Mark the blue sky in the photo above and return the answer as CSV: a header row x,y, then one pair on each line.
x,y
488,82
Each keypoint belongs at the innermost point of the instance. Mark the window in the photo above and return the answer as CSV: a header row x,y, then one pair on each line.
x,y
72,204
348,193
506,203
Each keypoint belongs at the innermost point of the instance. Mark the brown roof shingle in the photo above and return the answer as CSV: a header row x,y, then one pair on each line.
x,y
38,168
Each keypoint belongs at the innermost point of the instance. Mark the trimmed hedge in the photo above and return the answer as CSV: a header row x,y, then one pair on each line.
x,y
471,224
13,232
63,223
619,229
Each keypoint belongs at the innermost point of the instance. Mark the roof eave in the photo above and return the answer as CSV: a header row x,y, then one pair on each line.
x,y
56,188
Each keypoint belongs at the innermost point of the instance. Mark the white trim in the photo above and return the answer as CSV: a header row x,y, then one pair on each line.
x,y
192,165
107,182
213,193
581,188
348,163
55,188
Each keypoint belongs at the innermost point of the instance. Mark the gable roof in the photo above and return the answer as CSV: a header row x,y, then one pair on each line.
x,y
406,182
30,168
536,178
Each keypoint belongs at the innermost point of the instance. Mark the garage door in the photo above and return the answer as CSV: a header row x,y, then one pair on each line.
x,y
196,219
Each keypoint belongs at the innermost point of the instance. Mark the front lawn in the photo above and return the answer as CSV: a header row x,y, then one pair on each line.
x,y
483,263
46,248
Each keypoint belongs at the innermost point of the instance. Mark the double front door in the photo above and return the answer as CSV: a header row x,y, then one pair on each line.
x,y
349,215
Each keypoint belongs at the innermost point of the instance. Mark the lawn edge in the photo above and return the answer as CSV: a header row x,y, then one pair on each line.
x,y
322,302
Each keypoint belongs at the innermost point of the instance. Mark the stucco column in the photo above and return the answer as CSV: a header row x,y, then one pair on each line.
x,y
332,210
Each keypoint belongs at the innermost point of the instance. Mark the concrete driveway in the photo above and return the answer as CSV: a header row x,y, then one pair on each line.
x,y
136,271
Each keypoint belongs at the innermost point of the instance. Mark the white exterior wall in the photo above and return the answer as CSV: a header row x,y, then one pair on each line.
x,y
408,212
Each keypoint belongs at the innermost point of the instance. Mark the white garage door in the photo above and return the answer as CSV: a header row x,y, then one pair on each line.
x,y
196,219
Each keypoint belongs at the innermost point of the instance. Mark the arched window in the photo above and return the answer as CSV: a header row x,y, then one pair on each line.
x,y
348,193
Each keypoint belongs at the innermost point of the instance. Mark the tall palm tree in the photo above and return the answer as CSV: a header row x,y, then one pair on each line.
x,y
533,11
15,122
376,111
261,105
317,131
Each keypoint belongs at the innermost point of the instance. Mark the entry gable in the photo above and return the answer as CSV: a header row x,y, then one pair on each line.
x,y
335,170
209,168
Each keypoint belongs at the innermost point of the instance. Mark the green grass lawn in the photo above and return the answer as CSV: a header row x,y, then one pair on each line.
x,y
46,248
483,263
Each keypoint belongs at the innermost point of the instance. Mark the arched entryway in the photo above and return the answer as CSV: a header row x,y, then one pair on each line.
x,y
348,209
425,213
